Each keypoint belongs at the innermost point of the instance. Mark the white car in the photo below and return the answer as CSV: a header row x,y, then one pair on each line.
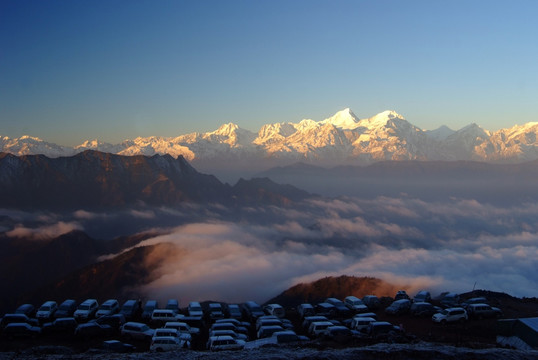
x,y
450,315
318,327
355,304
275,309
361,323
165,343
182,327
219,343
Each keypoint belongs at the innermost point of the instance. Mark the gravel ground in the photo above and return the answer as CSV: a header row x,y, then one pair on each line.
x,y
375,352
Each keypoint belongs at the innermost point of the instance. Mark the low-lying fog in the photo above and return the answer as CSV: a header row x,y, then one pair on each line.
x,y
255,253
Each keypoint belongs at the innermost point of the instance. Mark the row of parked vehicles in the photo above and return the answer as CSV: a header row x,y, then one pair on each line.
x,y
218,326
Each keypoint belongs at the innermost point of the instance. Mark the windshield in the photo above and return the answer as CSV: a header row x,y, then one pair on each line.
x,y
84,307
44,308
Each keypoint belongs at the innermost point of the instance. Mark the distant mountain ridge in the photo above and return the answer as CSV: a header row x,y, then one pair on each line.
x,y
93,179
339,140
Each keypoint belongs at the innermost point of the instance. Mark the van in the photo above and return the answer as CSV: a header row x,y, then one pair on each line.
x,y
318,327
361,323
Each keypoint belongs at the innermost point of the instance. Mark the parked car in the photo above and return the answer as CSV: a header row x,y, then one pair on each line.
x,y
401,294
237,336
371,301
268,330
109,307
46,311
66,309
422,296
355,304
450,300
26,309
310,319
117,346
325,309
318,327
382,328
450,315
86,310
149,307
165,343
136,331
131,309
286,337
219,343
93,330
341,309
274,309
339,333
173,305
475,300
17,318
182,327
66,325
15,330
161,316
184,337
195,309
251,310
480,311
115,321
423,309
361,323
306,310
399,307
268,320
241,326
214,311
233,311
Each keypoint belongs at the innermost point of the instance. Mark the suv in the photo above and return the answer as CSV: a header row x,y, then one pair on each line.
x,y
450,300
195,309
130,309
355,304
399,307
423,309
275,309
217,343
479,311
148,309
165,315
109,307
165,343
86,310
305,310
252,310
66,309
46,311
450,315
214,311
371,301
173,305
136,331
422,296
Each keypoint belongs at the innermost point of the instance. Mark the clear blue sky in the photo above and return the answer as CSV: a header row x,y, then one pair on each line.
x,y
73,70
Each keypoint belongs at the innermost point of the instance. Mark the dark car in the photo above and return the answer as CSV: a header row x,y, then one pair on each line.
x,y
66,309
251,310
148,309
25,330
66,325
379,329
401,294
17,318
325,309
481,311
423,309
341,309
399,307
450,300
131,309
117,346
26,309
115,321
340,334
93,330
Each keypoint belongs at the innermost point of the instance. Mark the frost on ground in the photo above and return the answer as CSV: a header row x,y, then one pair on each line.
x,y
375,352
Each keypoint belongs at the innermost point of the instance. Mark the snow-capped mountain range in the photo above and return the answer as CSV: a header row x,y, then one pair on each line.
x,y
340,139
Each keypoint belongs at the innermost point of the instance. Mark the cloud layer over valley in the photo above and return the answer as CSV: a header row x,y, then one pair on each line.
x,y
255,253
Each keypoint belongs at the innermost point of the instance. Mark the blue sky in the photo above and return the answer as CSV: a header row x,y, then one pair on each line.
x,y
112,70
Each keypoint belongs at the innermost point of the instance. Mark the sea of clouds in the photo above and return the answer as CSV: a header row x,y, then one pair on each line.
x,y
257,252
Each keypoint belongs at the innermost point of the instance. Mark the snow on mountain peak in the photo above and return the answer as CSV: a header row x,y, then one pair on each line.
x,y
344,119
226,129
380,119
